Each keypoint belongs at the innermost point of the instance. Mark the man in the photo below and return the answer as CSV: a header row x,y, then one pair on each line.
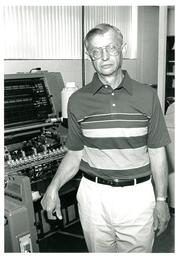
x,y
117,137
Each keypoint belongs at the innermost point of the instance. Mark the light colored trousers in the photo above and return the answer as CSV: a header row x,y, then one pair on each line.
x,y
117,219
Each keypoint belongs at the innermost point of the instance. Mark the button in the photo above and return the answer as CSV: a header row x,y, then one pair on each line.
x,y
113,104
112,93
106,86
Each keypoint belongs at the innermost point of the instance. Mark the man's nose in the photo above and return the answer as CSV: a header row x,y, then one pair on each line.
x,y
105,54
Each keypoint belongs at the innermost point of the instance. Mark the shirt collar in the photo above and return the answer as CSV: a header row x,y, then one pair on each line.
x,y
126,83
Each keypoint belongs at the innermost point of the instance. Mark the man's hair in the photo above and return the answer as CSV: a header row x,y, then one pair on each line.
x,y
101,29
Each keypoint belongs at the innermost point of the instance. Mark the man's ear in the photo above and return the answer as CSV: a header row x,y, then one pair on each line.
x,y
124,49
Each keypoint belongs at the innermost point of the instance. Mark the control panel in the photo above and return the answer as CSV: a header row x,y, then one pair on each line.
x,y
33,147
35,157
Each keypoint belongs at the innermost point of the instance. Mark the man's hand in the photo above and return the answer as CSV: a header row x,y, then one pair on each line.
x,y
161,217
51,203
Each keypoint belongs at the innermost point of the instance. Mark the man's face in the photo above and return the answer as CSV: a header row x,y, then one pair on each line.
x,y
109,62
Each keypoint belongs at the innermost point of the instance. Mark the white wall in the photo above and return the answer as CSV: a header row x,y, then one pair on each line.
x,y
71,70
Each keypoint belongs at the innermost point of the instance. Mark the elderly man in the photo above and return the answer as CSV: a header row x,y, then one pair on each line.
x,y
117,137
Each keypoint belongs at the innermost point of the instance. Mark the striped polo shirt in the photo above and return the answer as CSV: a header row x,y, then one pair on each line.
x,y
114,128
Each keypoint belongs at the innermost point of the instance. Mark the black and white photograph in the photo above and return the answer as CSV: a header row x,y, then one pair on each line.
x,y
88,127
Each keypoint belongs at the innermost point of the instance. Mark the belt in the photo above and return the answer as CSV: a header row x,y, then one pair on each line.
x,y
116,182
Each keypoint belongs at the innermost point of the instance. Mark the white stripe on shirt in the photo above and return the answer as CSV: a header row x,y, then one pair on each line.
x,y
115,132
116,159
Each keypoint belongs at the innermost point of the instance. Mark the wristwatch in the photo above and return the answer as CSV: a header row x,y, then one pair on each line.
x,y
161,199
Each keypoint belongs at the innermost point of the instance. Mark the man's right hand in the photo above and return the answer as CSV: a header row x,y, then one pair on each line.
x,y
52,204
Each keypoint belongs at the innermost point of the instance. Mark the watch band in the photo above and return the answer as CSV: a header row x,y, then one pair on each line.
x,y
161,199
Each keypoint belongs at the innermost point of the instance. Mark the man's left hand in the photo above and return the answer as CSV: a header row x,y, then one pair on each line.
x,y
161,217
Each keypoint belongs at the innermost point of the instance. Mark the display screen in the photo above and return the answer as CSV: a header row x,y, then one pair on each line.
x,y
25,101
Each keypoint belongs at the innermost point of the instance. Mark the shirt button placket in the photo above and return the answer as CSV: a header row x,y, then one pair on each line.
x,y
113,104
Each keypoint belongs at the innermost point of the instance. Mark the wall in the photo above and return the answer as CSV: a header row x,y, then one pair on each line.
x,y
144,68
171,21
71,70
147,61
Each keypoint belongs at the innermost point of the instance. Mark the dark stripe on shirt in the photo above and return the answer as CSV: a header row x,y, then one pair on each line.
x,y
122,174
119,143
113,124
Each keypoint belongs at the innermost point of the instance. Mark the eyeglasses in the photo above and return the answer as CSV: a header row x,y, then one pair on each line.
x,y
112,49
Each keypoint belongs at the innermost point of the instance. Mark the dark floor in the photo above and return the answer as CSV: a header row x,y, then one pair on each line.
x,y
70,240
76,243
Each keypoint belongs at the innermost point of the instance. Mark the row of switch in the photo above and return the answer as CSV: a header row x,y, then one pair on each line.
x,y
36,157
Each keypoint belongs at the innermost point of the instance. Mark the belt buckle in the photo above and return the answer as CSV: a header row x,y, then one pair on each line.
x,y
96,179
115,181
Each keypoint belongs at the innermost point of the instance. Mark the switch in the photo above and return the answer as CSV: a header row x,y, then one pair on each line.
x,y
25,243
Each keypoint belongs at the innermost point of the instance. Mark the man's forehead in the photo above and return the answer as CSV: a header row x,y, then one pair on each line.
x,y
101,40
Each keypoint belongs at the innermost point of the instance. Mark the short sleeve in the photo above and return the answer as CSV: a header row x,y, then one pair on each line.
x,y
158,135
75,137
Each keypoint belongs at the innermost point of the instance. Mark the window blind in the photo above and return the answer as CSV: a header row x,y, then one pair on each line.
x,y
55,32
42,32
